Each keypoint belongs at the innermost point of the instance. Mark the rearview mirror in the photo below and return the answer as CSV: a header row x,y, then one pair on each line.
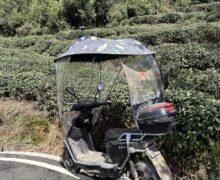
x,y
100,87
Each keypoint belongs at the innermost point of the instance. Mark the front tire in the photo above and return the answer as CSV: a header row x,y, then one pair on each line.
x,y
68,163
146,171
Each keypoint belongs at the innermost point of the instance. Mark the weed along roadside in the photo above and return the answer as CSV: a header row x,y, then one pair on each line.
x,y
24,128
185,37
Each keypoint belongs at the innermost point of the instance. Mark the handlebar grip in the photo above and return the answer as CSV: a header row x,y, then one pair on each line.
x,y
80,106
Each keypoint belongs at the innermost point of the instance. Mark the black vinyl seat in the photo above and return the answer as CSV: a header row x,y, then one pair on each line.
x,y
114,133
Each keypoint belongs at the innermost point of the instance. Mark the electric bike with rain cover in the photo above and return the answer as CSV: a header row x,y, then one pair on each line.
x,y
86,73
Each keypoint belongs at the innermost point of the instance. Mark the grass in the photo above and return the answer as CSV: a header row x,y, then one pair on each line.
x,y
26,128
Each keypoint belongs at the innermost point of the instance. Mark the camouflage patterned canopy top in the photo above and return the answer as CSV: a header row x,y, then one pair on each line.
x,y
105,47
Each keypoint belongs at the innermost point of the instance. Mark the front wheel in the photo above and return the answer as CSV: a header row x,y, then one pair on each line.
x,y
68,163
146,171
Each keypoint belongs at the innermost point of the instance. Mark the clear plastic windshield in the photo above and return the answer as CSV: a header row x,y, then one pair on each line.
x,y
144,79
88,80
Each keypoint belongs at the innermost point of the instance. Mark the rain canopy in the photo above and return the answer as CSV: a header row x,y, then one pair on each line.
x,y
93,63
93,46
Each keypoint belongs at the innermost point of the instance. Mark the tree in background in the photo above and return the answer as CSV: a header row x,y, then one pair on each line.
x,y
79,12
137,8
23,17
12,15
101,8
45,14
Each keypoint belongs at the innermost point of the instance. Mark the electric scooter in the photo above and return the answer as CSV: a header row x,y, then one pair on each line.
x,y
86,72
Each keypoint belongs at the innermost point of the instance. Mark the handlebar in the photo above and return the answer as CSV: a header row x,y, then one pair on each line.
x,y
86,105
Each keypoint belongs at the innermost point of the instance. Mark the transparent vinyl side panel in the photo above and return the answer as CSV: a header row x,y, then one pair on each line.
x,y
83,78
64,117
144,79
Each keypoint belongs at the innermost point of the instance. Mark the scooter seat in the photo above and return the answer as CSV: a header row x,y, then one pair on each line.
x,y
115,133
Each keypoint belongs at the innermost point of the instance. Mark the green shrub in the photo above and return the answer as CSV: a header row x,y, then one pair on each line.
x,y
204,7
213,16
147,19
206,32
58,48
171,17
78,13
151,35
101,8
188,56
25,84
24,30
181,4
23,43
8,27
42,46
198,127
27,75
99,32
201,81
137,8
117,12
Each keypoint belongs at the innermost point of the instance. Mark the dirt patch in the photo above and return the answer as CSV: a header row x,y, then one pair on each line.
x,y
25,128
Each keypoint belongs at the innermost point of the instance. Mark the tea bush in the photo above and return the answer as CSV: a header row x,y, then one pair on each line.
x,y
200,32
25,29
191,55
22,43
153,35
174,17
21,77
58,47
201,81
43,45
194,66
24,84
198,127
213,16
171,17
146,19
204,7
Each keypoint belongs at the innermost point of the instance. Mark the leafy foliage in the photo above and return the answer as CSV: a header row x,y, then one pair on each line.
x,y
198,127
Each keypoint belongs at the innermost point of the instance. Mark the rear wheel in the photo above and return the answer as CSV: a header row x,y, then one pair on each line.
x,y
146,171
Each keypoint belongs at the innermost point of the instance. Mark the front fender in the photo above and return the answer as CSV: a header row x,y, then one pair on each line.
x,y
159,163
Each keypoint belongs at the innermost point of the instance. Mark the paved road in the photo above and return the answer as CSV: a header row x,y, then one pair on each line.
x,y
32,166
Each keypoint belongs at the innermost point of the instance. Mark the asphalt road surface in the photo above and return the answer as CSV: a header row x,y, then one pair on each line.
x,y
33,166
